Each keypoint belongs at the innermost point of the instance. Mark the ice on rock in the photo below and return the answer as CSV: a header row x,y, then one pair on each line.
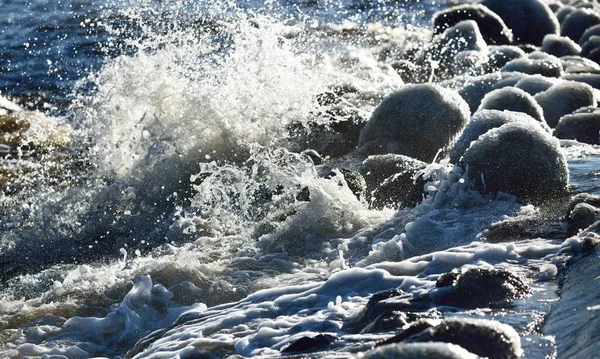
x,y
415,121
577,22
518,15
481,122
513,99
588,33
564,98
473,89
583,127
520,159
418,350
535,84
536,63
560,46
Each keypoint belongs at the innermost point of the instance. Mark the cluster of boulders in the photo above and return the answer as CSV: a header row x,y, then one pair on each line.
x,y
496,87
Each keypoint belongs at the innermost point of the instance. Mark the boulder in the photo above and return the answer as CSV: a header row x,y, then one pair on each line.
x,y
563,98
493,29
577,22
536,63
589,32
583,127
560,46
520,159
535,84
529,20
417,121
513,99
481,122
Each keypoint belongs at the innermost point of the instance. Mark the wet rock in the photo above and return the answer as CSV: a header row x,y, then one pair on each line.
x,y
478,287
335,135
390,180
564,11
535,84
418,351
583,127
415,121
314,156
579,20
511,230
536,63
355,181
564,98
591,49
560,46
499,56
491,26
590,79
390,320
470,62
473,89
518,15
464,36
578,64
306,344
591,199
409,72
581,217
520,159
588,33
481,122
486,338
513,99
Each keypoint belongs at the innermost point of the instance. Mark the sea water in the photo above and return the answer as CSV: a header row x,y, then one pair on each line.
x,y
175,208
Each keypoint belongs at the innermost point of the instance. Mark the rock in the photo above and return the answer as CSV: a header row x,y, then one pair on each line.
x,y
520,159
415,121
409,72
486,338
590,48
356,182
578,64
513,99
591,199
493,29
563,98
500,55
583,127
314,156
575,24
590,79
418,351
391,180
306,344
560,46
589,32
564,11
535,84
464,36
581,217
479,287
536,63
473,89
470,62
481,122
529,20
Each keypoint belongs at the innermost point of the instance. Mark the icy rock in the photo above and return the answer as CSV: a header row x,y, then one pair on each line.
x,y
583,127
478,287
390,180
314,156
588,33
575,24
590,79
564,11
535,84
491,26
408,71
418,351
307,344
470,62
473,89
520,159
334,135
578,64
355,181
564,98
581,217
486,338
481,122
415,121
499,56
560,46
513,99
591,48
530,20
536,63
